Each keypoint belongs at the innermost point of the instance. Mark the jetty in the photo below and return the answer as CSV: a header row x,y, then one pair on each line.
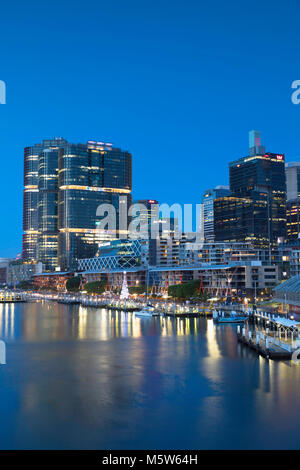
x,y
266,346
183,311
125,305
93,301
11,297
271,336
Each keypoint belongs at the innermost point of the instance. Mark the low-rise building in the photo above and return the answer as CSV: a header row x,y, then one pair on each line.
x,y
288,293
52,281
251,279
4,264
21,270
117,255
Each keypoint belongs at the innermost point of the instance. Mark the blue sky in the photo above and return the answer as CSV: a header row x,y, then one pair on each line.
x,y
178,83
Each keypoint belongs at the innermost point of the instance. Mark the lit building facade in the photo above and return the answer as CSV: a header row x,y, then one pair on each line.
x,y
256,212
217,253
117,254
55,281
222,281
149,214
21,270
164,247
207,219
233,219
4,267
293,219
64,185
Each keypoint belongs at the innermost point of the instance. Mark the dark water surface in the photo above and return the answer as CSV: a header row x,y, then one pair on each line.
x,y
87,378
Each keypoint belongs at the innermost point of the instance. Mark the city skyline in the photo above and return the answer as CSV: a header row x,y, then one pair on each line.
x,y
150,242
185,100
215,185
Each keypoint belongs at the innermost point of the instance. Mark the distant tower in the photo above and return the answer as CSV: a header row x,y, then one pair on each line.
x,y
124,292
292,174
255,147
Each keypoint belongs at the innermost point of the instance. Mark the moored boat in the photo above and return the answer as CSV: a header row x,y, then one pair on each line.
x,y
231,319
148,312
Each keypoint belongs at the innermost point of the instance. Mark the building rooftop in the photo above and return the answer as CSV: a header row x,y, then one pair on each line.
x,y
292,285
54,273
292,164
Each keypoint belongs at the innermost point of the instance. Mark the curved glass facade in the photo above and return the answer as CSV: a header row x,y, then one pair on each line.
x,y
71,181
30,200
47,245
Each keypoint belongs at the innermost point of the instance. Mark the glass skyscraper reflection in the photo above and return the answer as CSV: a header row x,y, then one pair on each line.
x,y
64,185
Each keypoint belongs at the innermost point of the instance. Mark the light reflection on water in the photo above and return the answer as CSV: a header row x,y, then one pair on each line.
x,y
62,322
90,378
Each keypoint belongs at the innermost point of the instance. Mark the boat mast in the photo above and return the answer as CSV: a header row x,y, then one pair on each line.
x,y
147,283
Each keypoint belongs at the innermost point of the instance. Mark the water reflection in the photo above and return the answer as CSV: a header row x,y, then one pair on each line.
x,y
86,378
47,321
7,320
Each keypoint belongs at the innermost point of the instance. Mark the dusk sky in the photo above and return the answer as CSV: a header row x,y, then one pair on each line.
x,y
177,83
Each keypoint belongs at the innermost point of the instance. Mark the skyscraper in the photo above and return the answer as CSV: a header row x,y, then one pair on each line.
x,y
64,185
208,210
148,215
260,179
293,219
292,173
255,147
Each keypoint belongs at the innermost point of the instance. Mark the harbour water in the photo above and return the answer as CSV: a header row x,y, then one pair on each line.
x,y
84,378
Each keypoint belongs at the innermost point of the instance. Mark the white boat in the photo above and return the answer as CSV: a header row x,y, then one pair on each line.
x,y
231,318
147,312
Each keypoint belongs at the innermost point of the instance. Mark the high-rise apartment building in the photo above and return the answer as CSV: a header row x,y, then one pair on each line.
x,y
164,247
64,185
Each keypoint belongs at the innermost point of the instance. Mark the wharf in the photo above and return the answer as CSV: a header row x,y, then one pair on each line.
x,y
271,352
187,313
10,297
122,307
267,345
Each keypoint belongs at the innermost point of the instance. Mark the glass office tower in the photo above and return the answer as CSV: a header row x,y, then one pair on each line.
x,y
30,202
292,173
71,181
262,179
293,219
259,178
208,210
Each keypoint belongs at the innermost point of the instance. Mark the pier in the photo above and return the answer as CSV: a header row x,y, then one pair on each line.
x,y
264,345
271,337
120,305
183,311
11,297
